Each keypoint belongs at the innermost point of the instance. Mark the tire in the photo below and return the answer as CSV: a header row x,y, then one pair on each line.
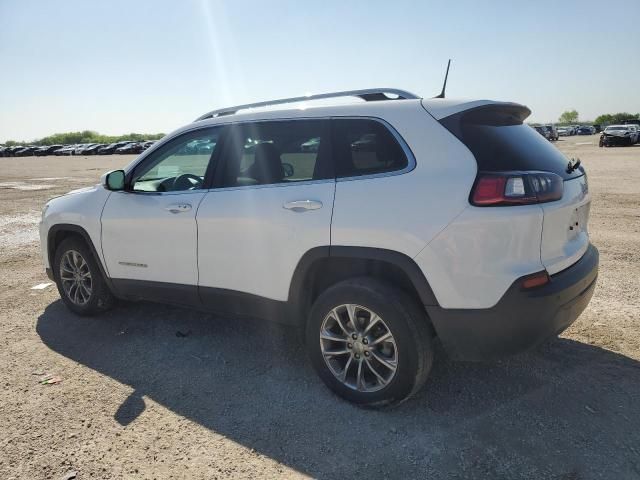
x,y
94,297
410,347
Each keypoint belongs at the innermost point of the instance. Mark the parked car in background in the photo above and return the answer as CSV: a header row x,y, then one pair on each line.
x,y
311,145
112,147
67,150
81,147
618,135
635,131
93,149
133,148
8,151
25,151
148,144
47,150
552,132
597,128
564,131
3,149
585,130
541,130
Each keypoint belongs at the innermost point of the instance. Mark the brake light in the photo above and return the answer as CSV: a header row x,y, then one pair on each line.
x,y
516,188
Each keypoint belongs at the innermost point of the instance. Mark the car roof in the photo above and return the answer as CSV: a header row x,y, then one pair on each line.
x,y
439,108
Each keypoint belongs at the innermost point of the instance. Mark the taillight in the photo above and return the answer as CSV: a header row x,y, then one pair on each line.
x,y
516,188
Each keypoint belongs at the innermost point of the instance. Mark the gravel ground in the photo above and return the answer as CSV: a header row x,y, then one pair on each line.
x,y
239,399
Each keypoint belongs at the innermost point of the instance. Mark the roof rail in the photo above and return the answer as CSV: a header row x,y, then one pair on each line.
x,y
368,95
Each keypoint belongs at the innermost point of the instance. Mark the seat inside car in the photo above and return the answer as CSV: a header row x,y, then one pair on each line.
x,y
267,166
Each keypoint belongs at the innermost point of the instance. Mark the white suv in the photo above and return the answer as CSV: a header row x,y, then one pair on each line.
x,y
375,226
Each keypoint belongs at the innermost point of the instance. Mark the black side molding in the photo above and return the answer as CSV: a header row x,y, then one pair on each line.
x,y
399,260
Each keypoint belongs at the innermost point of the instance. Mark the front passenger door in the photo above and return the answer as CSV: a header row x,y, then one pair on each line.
x,y
149,231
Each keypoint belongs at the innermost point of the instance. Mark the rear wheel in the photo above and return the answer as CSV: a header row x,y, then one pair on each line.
x,y
79,280
370,343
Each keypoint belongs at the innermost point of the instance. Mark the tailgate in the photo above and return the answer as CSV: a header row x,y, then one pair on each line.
x,y
565,237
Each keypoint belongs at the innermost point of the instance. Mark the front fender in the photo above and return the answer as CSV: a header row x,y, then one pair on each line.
x,y
78,211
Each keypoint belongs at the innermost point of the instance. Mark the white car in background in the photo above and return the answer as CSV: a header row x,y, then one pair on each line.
x,y
564,131
408,219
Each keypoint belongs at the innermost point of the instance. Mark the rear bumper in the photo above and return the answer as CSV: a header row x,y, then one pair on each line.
x,y
522,318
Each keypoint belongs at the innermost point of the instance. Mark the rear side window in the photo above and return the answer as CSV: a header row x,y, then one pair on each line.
x,y
364,147
263,153
500,141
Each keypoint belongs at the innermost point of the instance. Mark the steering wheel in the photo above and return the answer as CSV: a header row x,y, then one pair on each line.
x,y
187,181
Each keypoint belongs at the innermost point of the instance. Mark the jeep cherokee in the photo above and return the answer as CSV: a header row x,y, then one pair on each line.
x,y
409,219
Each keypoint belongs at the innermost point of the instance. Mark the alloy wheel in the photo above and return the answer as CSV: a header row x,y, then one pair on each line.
x,y
75,277
358,347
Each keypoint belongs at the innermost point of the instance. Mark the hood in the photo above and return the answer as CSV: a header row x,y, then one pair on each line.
x,y
83,190
616,133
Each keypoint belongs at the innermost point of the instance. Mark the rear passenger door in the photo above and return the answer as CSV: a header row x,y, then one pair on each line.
x,y
373,203
270,203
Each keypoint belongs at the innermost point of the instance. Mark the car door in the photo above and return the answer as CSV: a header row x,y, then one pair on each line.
x,y
272,203
149,231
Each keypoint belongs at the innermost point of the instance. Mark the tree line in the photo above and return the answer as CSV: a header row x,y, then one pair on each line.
x,y
571,116
86,136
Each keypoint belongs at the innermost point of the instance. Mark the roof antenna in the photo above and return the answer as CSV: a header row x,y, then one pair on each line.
x,y
444,87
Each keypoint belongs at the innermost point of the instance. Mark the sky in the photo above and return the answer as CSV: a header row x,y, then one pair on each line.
x,y
122,66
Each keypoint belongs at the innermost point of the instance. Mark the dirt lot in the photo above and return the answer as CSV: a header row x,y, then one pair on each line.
x,y
239,399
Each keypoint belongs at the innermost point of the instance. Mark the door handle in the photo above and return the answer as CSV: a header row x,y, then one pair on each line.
x,y
303,205
178,208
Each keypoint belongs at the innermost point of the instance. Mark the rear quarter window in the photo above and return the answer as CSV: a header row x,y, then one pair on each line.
x,y
365,147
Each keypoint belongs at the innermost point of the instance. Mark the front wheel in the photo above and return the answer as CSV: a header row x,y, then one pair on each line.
x,y
369,342
79,280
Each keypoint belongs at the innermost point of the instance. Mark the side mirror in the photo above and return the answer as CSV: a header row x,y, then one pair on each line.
x,y
113,180
287,169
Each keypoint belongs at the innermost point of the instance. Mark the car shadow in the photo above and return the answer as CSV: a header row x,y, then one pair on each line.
x,y
566,410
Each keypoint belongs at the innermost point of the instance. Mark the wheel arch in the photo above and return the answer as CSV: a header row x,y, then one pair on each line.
x,y
321,267
60,232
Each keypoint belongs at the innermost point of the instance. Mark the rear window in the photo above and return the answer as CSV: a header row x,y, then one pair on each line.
x,y
364,147
500,141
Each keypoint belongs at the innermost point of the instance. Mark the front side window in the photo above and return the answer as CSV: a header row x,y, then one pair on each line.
x,y
365,146
179,165
269,152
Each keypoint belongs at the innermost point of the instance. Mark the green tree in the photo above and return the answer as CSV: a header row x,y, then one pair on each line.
x,y
570,116
622,116
605,119
613,118
86,136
